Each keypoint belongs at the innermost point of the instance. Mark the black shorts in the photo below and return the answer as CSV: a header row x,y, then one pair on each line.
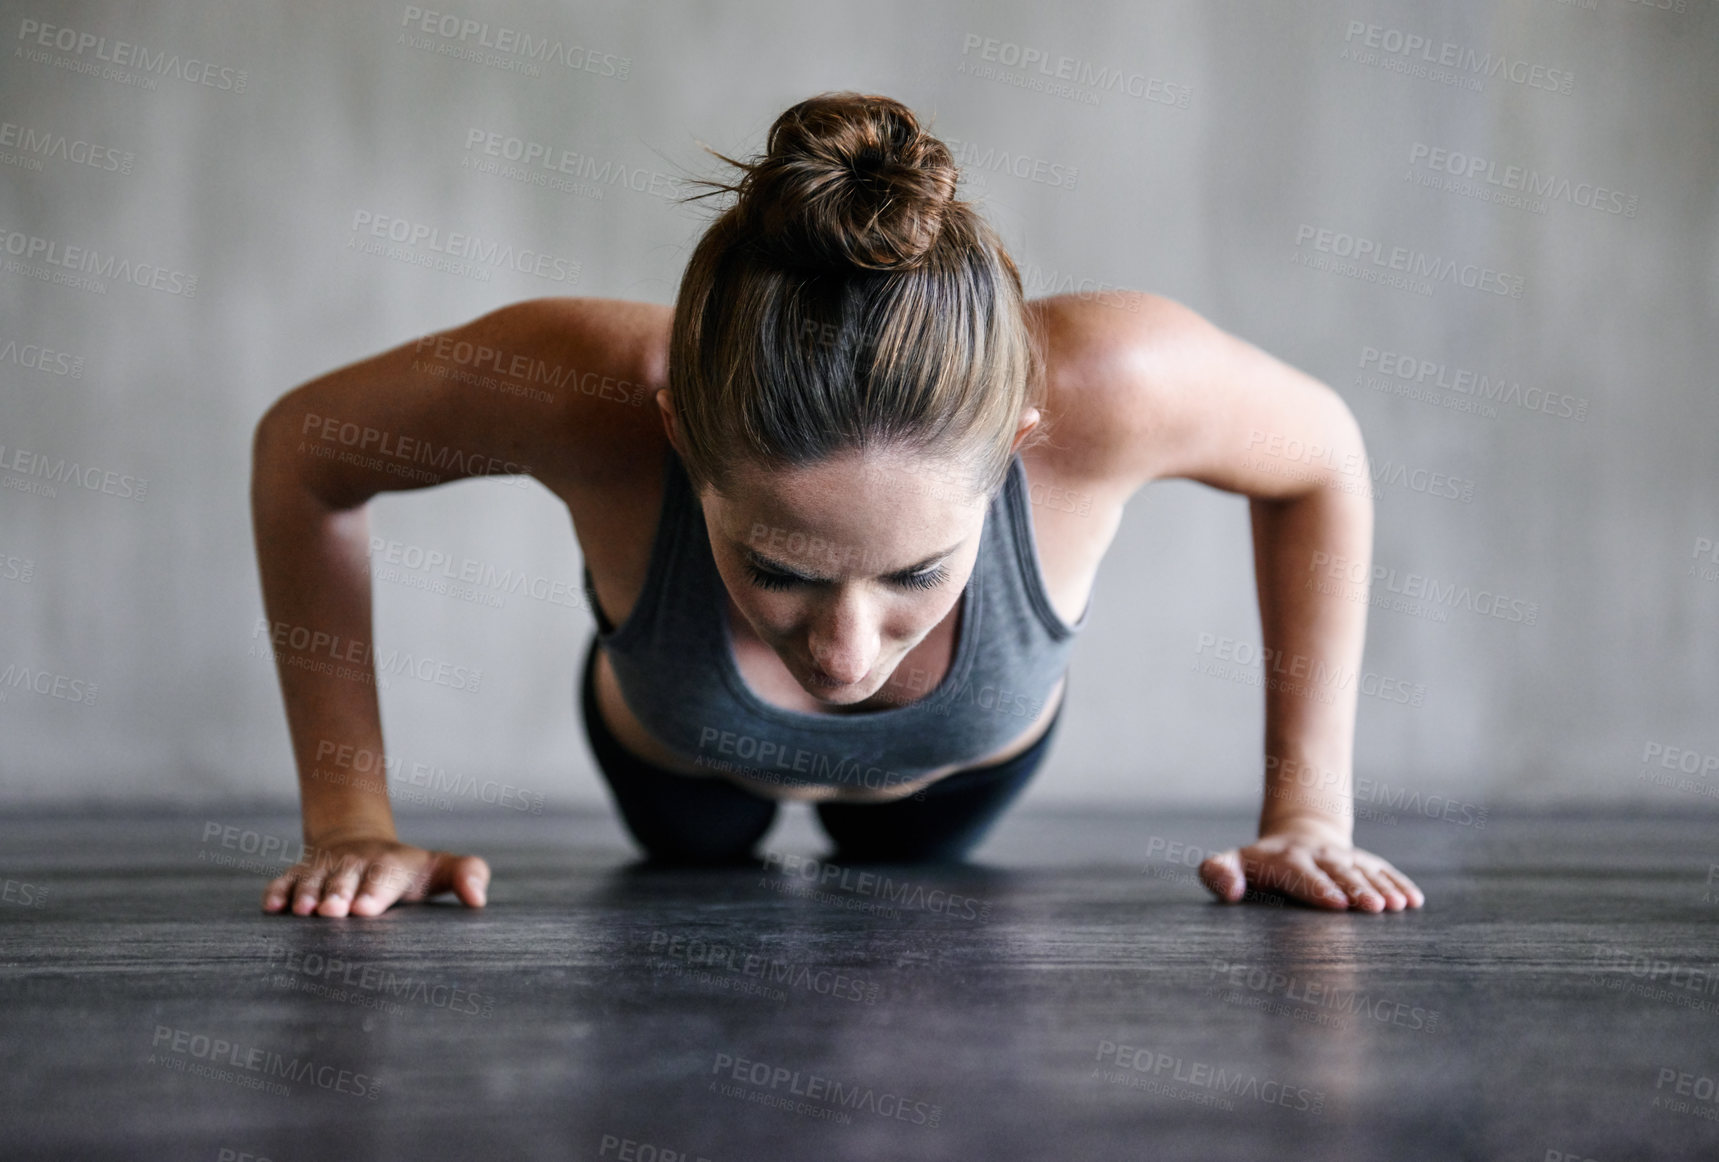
x,y
707,819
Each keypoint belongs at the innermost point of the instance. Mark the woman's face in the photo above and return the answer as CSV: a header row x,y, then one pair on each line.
x,y
844,566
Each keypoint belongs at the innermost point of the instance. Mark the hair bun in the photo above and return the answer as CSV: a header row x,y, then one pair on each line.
x,y
849,181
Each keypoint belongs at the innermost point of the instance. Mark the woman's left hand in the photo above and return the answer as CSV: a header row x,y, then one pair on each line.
x,y
1313,865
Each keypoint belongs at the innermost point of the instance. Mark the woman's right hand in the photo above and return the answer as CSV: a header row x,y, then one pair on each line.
x,y
364,877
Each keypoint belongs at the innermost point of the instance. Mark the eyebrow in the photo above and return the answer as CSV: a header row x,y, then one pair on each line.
x,y
763,562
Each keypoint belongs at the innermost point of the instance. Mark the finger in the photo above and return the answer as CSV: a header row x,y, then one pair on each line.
x,y
466,876
1223,876
275,896
1359,889
1416,897
342,883
1300,878
1395,898
309,890
383,882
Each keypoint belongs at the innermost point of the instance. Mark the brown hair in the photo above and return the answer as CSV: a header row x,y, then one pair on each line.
x,y
847,300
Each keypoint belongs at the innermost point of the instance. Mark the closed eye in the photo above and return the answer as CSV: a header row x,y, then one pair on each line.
x,y
775,579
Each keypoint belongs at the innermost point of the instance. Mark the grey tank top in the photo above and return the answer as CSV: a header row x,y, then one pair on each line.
x,y
673,656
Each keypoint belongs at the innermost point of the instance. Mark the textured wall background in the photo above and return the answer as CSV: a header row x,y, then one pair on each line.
x,y
1232,156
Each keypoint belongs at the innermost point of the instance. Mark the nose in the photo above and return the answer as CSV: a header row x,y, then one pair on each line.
x,y
843,641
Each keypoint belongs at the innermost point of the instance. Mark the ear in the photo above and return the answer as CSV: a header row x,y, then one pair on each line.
x,y
1029,420
665,405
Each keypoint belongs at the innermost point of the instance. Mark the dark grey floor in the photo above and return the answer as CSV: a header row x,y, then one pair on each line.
x,y
1072,995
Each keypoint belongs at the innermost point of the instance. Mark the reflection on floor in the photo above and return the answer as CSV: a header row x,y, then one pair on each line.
x,y
1072,994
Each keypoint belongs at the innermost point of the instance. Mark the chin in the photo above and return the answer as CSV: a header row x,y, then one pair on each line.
x,y
837,697
840,696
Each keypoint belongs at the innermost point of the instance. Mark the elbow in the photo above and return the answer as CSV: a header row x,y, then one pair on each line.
x,y
268,439
279,473
1358,442
1349,470
1344,429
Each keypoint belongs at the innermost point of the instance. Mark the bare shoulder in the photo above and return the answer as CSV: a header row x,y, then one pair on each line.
x,y
599,364
1110,365
583,372
560,389
622,335
1140,387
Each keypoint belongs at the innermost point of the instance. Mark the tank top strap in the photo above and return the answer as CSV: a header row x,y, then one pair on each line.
x,y
1028,573
669,537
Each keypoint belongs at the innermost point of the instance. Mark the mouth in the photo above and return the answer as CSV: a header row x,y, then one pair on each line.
x,y
822,686
816,677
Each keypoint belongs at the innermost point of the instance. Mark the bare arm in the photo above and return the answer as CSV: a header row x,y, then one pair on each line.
x,y
400,420
1181,398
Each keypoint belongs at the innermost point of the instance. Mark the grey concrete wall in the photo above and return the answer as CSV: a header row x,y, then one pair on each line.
x,y
1228,155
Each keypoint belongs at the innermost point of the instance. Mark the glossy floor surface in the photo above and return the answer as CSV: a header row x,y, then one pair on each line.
x,y
1071,994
